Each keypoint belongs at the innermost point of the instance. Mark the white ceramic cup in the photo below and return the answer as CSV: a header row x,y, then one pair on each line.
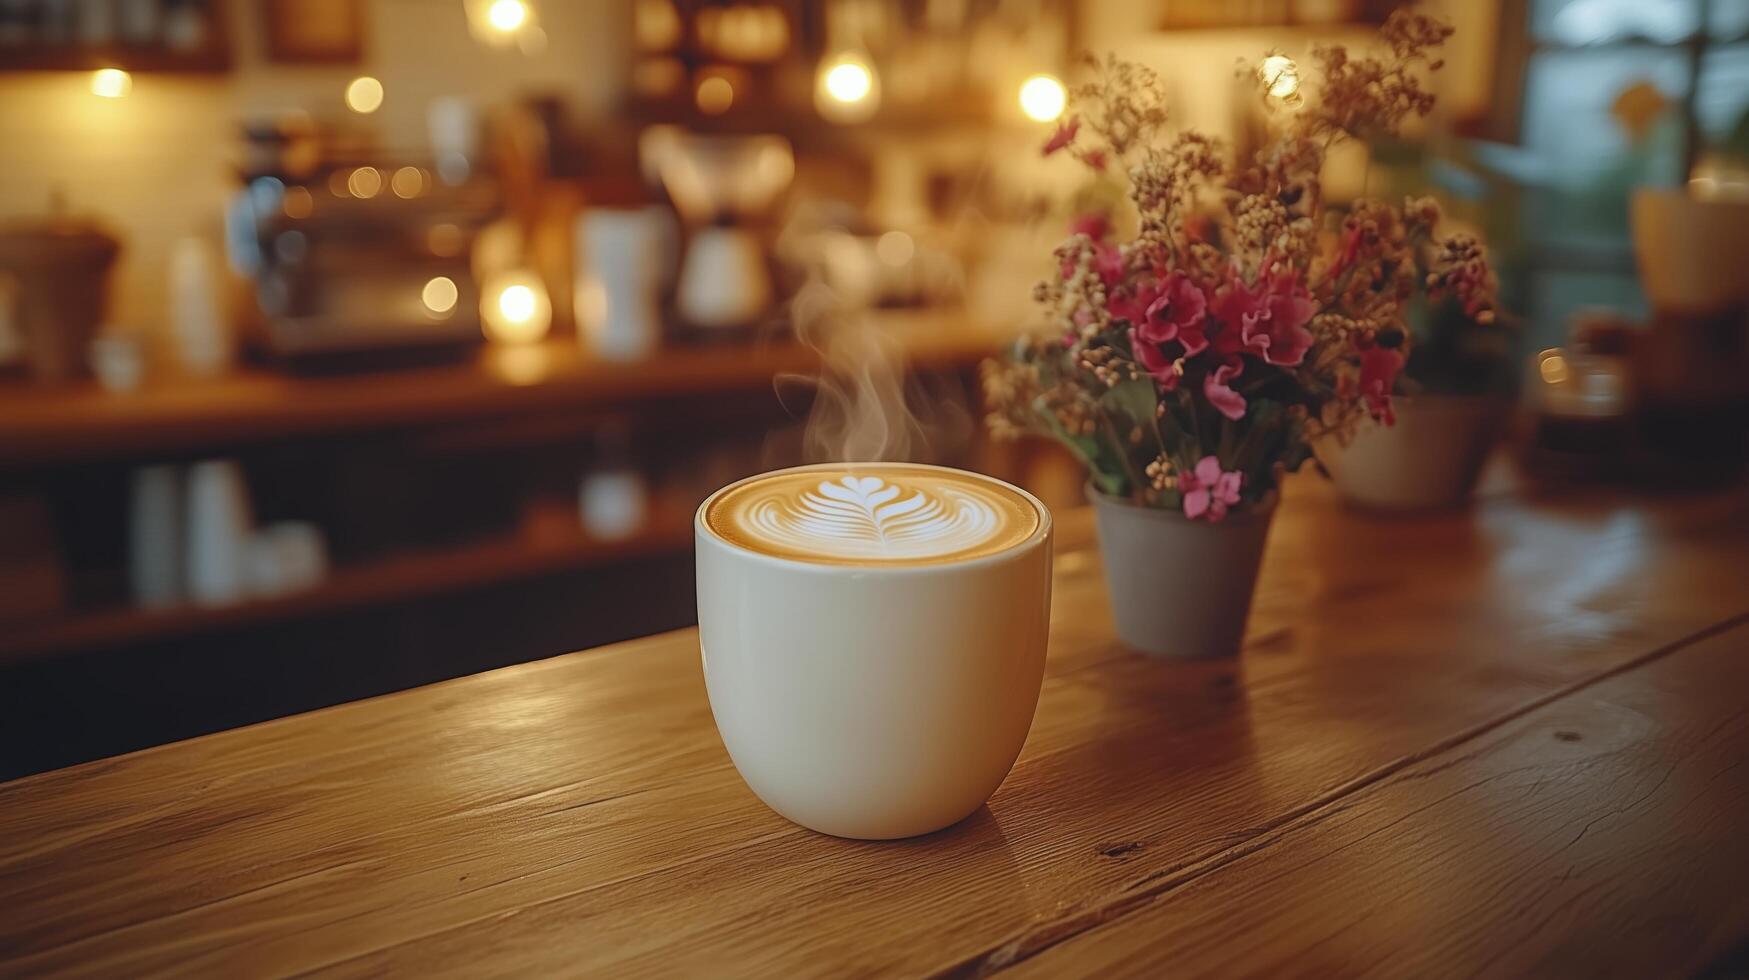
x,y
218,526
873,701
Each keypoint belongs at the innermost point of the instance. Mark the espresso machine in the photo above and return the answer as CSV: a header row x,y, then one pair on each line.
x,y
361,262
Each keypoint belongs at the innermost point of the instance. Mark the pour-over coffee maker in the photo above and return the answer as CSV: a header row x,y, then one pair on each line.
x,y
723,186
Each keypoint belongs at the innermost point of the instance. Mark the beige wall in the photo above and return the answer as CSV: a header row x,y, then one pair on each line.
x,y
1198,66
156,164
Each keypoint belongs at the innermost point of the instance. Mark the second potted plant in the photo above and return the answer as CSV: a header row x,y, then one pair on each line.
x,y
1452,402
1454,394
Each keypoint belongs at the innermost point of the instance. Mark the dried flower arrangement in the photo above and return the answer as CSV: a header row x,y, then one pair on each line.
x,y
1195,363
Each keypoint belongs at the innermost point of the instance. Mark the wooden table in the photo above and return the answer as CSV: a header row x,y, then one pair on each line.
x,y
1504,742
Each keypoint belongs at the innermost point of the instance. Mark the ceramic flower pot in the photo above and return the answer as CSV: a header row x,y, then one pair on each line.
x,y
1179,588
1429,460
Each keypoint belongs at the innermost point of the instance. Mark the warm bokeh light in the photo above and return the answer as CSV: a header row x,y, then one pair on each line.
x,y
439,295
895,248
848,82
298,202
517,303
1043,98
515,308
846,89
1281,77
513,24
507,15
741,32
364,182
715,95
408,182
656,24
1553,367
111,83
364,94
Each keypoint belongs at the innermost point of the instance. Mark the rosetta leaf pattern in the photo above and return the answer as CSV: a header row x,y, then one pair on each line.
x,y
867,507
868,516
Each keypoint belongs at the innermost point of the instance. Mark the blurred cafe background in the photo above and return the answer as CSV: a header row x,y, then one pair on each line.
x,y
350,345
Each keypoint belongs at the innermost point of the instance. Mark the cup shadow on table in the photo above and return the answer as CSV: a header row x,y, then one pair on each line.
x,y
976,846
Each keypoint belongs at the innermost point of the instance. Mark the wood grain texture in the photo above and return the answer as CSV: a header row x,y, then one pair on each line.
x,y
1599,835
580,815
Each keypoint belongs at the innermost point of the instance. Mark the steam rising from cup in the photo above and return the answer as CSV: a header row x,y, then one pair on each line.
x,y
865,408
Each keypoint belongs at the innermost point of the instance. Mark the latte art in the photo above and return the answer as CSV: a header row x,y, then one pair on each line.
x,y
872,514
866,516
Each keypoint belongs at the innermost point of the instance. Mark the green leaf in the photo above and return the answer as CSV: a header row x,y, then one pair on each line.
x,y
1262,424
1114,484
1134,400
1105,473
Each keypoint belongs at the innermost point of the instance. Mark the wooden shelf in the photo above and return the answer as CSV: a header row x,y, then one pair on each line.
x,y
405,576
553,382
43,426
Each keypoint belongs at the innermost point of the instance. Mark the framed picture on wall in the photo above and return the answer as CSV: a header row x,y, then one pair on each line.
x,y
324,32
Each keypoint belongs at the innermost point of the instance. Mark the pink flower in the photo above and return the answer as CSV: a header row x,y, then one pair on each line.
x,y
1094,224
1215,388
1378,373
1064,135
1271,316
1208,490
1133,304
1159,366
1176,314
1108,262
1238,304
1164,312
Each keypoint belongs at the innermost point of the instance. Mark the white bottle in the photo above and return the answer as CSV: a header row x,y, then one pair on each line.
x,y
614,503
453,125
203,339
619,275
287,557
219,531
155,535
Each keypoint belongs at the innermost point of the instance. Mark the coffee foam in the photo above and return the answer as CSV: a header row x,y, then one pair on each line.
x,y
886,514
